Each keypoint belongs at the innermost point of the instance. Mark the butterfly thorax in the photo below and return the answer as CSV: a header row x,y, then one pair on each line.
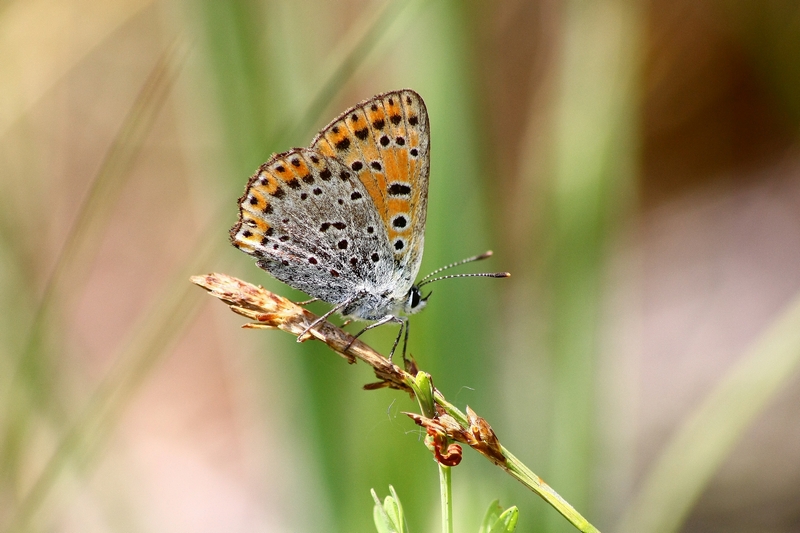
x,y
375,306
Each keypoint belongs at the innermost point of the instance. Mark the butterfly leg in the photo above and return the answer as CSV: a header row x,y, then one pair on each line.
x,y
300,338
382,321
403,329
306,302
405,338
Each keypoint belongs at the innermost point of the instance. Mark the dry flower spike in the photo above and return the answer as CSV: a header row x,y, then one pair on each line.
x,y
271,311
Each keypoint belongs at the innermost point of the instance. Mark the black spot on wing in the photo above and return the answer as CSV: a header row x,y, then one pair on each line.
x,y
343,144
399,189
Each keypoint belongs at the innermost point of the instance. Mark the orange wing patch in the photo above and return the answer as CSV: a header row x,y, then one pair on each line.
x,y
365,151
395,152
384,140
417,158
339,141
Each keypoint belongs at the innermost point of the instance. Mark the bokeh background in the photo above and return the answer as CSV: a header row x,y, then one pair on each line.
x,y
634,164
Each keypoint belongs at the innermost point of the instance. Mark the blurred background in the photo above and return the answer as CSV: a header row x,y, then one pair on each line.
x,y
634,164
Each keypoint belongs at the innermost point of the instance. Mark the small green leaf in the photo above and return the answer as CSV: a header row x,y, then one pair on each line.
x,y
423,390
498,521
507,522
388,517
491,516
382,521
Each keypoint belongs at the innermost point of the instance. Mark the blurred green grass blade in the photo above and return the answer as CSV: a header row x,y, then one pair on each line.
x,y
233,34
33,384
594,157
347,67
707,437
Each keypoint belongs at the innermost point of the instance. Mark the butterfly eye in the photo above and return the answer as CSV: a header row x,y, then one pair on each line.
x,y
415,302
414,297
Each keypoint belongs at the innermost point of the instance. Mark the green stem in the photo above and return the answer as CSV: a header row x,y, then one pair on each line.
x,y
447,498
524,475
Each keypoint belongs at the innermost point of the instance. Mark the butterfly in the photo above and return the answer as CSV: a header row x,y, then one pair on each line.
x,y
344,219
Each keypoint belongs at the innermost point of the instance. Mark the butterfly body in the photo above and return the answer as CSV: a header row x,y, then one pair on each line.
x,y
343,220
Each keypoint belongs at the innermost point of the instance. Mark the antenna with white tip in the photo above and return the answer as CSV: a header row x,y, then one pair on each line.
x,y
426,280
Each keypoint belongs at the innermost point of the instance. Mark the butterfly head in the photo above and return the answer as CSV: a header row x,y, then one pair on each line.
x,y
415,302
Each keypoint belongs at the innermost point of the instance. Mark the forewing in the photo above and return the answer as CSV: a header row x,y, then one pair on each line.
x,y
385,141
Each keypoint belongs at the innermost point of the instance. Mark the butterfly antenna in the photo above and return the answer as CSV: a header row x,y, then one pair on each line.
x,y
478,275
485,255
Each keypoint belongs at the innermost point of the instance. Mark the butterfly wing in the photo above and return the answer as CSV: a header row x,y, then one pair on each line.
x,y
310,223
385,141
